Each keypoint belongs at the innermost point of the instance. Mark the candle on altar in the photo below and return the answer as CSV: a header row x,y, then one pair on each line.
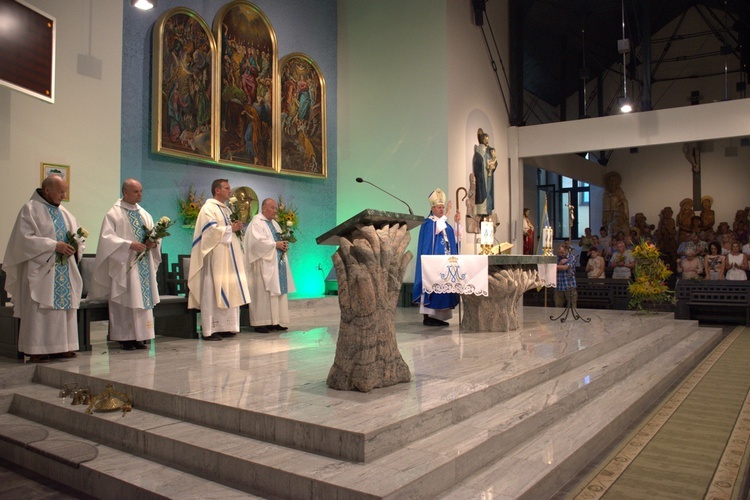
x,y
488,233
547,237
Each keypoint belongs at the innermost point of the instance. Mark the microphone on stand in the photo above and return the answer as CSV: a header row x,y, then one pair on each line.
x,y
360,180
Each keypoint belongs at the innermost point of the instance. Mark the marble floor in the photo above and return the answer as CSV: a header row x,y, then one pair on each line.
x,y
271,388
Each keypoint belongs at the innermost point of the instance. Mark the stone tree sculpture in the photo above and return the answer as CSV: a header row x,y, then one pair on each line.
x,y
498,312
370,265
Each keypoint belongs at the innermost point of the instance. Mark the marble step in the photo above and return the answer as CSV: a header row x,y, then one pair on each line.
x,y
454,453
429,466
553,456
202,452
112,474
374,432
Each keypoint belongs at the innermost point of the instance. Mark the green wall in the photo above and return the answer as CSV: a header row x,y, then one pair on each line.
x,y
392,104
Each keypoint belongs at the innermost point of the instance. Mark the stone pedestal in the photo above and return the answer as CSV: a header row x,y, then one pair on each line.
x,y
370,265
509,276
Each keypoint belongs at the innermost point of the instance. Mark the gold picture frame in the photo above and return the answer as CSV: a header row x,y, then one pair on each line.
x,y
62,170
183,114
247,97
302,127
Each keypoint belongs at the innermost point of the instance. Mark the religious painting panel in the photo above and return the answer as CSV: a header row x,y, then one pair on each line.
x,y
183,116
303,117
247,93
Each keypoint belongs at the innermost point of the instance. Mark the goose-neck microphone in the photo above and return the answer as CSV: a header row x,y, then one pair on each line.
x,y
360,180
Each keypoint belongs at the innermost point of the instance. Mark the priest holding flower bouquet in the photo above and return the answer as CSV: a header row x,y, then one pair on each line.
x,y
127,258
268,274
41,263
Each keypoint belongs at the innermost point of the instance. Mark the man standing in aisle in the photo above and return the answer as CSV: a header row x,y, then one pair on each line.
x,y
566,277
268,271
41,263
216,282
129,286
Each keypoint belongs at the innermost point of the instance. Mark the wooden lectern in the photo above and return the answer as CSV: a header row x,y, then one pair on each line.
x,y
370,264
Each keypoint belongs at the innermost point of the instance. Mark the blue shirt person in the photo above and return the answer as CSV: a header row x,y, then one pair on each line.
x,y
566,278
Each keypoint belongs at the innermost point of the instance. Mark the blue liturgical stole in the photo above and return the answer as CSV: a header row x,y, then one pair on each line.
x,y
62,277
144,269
280,256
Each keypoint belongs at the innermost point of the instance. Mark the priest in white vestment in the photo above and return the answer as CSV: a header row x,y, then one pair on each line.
x,y
268,271
129,286
217,283
42,274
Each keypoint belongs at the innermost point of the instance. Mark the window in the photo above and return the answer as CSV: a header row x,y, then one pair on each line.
x,y
568,202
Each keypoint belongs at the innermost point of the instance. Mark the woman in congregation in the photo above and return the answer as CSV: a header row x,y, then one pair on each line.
x,y
726,243
595,243
736,264
690,266
714,262
585,243
721,231
595,265
605,240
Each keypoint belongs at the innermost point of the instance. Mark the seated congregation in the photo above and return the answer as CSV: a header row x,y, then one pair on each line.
x,y
710,267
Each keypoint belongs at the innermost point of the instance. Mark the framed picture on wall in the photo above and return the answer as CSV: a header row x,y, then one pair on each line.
x,y
61,170
303,117
183,118
248,92
28,39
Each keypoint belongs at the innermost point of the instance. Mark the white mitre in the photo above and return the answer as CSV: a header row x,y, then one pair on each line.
x,y
437,197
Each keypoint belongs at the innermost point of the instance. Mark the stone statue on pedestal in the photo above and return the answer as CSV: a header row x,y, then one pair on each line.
x,y
667,237
615,212
685,219
483,166
708,216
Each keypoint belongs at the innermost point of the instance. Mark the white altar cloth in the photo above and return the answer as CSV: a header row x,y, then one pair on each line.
x,y
548,275
464,274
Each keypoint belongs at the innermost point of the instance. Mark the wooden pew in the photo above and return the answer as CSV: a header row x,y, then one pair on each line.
x,y
722,301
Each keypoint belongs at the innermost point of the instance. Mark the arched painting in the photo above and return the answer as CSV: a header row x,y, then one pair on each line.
x,y
303,117
247,49
183,116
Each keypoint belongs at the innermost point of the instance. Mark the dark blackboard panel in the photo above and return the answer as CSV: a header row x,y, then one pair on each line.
x,y
27,49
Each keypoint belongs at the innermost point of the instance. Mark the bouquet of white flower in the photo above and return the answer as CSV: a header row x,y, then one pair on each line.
x,y
153,235
74,240
234,216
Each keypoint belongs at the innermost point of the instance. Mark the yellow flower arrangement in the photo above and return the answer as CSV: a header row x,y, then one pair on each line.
x,y
649,286
288,219
190,206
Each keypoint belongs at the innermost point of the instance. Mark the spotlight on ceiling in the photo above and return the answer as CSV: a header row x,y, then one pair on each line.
x,y
625,105
623,47
143,4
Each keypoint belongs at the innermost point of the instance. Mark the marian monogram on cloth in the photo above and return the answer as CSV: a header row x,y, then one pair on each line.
x,y
464,274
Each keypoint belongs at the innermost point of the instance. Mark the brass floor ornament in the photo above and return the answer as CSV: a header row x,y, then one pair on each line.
x,y
110,400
